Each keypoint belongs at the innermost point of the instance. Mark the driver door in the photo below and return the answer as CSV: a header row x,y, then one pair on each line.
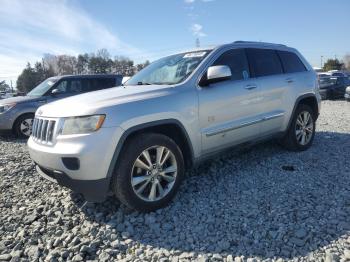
x,y
229,110
63,87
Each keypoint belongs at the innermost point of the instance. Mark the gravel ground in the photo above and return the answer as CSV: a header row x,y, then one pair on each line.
x,y
256,204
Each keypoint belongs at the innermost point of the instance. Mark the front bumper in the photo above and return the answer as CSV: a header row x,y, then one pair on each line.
x,y
94,152
6,120
92,190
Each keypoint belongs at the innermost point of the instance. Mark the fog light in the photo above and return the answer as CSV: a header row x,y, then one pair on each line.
x,y
71,163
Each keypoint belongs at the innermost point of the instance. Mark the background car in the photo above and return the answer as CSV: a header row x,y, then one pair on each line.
x,y
333,87
347,94
17,113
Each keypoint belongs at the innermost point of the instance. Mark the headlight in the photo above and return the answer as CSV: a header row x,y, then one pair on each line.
x,y
82,124
6,107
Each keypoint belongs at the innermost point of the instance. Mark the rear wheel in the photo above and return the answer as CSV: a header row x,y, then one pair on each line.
x,y
23,125
301,132
149,172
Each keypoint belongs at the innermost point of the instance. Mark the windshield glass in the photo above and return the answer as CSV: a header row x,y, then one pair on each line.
x,y
170,70
42,88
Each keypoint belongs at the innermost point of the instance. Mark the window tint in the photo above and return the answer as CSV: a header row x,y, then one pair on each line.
x,y
76,86
264,62
101,83
291,62
62,87
236,60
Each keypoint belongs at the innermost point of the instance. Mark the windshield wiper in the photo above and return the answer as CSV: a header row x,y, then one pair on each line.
x,y
143,84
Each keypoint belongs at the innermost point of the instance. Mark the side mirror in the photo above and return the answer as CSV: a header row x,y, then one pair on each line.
x,y
55,92
217,74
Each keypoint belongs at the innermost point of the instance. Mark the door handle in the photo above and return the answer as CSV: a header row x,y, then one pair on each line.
x,y
249,87
289,80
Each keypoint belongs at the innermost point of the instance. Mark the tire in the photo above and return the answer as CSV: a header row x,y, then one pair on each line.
x,y
293,140
133,182
23,126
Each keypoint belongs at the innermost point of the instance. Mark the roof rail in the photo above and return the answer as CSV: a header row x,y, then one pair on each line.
x,y
256,42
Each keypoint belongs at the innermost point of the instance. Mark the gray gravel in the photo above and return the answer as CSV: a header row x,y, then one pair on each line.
x,y
256,204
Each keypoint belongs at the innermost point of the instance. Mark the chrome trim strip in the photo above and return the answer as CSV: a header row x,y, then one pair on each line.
x,y
230,128
273,116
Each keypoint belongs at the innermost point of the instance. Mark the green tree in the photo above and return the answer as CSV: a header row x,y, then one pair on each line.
x,y
4,86
141,66
82,64
26,81
332,64
32,76
101,62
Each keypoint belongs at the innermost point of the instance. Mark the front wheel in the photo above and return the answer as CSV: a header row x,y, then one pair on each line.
x,y
23,126
149,172
301,132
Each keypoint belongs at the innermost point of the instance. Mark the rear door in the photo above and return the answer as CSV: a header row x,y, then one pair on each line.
x,y
228,111
273,88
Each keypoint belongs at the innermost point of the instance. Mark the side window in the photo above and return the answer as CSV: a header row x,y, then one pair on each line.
x,y
62,87
237,61
102,83
76,86
264,62
291,62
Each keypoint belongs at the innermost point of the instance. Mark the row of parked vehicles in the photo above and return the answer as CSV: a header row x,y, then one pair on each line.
x,y
334,84
136,140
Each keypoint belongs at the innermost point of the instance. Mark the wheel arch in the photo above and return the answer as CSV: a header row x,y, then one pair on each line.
x,y
170,127
19,116
306,99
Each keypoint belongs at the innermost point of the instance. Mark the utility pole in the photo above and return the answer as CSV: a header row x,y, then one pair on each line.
x,y
321,61
198,44
11,86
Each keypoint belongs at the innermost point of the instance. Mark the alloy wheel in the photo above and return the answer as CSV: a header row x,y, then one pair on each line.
x,y
26,127
154,173
304,128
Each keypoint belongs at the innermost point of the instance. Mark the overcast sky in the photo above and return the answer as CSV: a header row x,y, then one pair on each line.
x,y
150,29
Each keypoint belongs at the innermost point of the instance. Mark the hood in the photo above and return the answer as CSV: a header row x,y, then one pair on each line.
x,y
19,99
95,102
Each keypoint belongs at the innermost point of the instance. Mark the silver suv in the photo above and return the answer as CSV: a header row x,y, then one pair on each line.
x,y
136,141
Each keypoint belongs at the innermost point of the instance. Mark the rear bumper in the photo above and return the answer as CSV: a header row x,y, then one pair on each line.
x,y
92,190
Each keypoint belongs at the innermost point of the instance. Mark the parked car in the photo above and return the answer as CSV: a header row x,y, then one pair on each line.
x,y
333,87
347,94
137,141
4,95
338,73
17,113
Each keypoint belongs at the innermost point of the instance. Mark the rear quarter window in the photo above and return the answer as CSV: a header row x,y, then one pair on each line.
x,y
101,83
291,62
264,62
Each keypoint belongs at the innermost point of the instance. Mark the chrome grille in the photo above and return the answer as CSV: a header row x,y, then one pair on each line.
x,y
43,130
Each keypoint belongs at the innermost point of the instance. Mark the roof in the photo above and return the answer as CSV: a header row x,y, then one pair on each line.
x,y
88,76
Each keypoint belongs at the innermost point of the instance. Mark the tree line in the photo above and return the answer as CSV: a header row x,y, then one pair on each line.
x,y
335,64
100,62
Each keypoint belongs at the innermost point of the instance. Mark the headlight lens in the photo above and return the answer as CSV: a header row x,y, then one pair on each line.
x,y
6,107
82,124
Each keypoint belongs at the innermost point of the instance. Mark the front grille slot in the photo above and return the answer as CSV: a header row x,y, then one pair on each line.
x,y
43,130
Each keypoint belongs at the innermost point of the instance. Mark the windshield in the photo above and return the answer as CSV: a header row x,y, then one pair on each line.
x,y
42,88
170,70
